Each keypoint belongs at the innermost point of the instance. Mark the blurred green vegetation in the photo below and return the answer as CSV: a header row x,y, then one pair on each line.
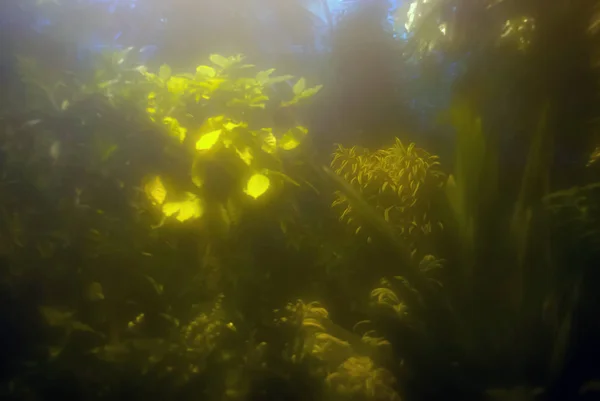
x,y
176,233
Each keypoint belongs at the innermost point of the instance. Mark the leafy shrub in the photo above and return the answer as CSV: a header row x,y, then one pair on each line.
x,y
397,181
94,168
218,121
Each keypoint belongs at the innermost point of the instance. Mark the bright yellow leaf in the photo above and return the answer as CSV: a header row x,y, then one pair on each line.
x,y
257,185
155,190
151,109
191,208
207,141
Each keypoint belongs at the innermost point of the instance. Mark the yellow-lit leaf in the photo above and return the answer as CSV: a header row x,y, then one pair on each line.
x,y
299,86
263,76
170,208
175,129
149,76
177,85
301,94
269,143
219,60
227,142
211,85
245,155
151,103
276,80
155,190
191,208
386,213
231,125
257,185
259,100
311,92
288,142
196,178
214,121
291,139
204,71
208,140
302,130
285,177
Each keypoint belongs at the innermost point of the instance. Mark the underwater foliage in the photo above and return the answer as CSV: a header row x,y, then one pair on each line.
x,y
178,104
117,154
359,378
399,182
156,221
576,215
345,368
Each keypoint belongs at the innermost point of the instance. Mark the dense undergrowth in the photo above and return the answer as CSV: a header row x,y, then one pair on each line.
x,y
170,234
167,235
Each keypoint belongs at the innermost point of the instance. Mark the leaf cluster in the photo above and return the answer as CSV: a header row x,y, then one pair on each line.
x,y
400,182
